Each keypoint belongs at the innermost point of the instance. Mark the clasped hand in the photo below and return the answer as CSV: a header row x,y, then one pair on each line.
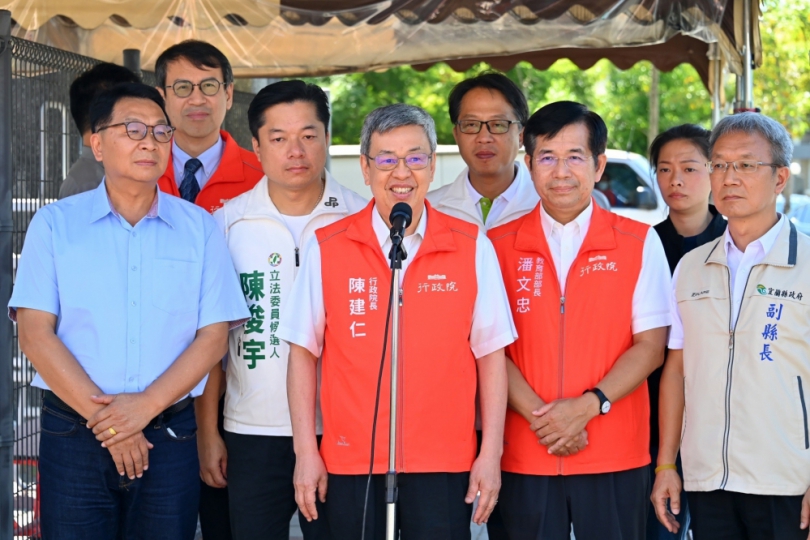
x,y
560,425
127,415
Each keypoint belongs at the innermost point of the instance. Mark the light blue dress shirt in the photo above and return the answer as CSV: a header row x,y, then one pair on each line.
x,y
210,161
128,300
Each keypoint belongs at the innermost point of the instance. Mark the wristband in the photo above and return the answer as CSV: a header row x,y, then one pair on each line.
x,y
667,467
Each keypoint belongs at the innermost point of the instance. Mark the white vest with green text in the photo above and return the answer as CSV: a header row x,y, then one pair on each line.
x,y
267,258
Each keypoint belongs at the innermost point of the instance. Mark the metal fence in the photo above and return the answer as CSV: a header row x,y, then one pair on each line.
x,y
44,145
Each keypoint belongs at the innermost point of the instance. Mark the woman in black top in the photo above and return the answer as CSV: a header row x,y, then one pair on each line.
x,y
679,156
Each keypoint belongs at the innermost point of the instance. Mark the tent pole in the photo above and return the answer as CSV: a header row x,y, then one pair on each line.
x,y
717,83
6,277
132,61
748,60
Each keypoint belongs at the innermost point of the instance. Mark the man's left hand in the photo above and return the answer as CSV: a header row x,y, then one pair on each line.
x,y
806,512
485,477
127,414
562,421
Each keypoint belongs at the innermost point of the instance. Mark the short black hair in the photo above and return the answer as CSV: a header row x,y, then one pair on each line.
x,y
696,135
491,80
201,55
549,120
87,85
287,92
101,110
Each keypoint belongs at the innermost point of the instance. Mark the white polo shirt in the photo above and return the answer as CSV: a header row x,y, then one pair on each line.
x,y
492,327
651,307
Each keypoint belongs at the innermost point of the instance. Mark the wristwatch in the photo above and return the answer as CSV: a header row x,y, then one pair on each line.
x,y
604,402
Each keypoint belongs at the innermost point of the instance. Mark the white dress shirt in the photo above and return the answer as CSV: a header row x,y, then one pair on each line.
x,y
492,327
498,204
210,161
740,264
650,297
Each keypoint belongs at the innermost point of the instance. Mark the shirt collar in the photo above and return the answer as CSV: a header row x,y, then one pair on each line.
x,y
764,243
581,222
102,205
332,200
383,231
209,159
507,195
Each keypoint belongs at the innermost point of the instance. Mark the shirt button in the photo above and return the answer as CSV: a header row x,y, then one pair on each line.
x,y
132,340
134,303
134,267
131,379
134,234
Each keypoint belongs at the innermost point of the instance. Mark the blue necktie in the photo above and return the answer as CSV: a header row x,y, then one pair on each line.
x,y
189,188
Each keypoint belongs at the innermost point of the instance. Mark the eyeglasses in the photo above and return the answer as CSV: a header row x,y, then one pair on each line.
x,y
137,131
744,166
389,162
496,127
572,162
209,87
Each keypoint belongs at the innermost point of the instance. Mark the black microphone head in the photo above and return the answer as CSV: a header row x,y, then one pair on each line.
x,y
402,210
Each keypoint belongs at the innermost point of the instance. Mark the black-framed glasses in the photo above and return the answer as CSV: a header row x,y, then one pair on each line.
x,y
389,162
209,87
496,127
137,131
745,166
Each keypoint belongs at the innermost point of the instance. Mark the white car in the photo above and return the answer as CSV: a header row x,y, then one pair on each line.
x,y
631,189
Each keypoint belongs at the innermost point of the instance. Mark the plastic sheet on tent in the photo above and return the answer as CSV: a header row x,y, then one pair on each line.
x,y
284,38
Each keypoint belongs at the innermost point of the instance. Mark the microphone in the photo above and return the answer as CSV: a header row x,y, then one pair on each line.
x,y
400,219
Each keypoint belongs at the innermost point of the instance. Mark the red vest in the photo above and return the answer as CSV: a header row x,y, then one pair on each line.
x,y
437,369
238,171
567,345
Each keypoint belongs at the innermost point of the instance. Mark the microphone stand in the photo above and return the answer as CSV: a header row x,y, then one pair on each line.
x,y
396,255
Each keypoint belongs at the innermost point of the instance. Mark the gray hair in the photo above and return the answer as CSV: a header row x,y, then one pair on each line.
x,y
389,117
750,122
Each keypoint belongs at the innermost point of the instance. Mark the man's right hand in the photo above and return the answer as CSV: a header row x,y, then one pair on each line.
x,y
131,456
213,459
310,481
574,446
667,487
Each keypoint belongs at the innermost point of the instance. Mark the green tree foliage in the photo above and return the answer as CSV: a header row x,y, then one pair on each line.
x,y
782,83
621,97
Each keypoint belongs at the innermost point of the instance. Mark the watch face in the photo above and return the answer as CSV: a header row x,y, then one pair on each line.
x,y
605,407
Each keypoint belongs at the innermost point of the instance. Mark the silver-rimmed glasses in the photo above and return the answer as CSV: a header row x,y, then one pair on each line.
x,y
389,162
137,131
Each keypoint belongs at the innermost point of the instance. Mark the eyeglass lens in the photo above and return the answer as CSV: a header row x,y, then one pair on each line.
x,y
388,162
137,131
209,87
494,126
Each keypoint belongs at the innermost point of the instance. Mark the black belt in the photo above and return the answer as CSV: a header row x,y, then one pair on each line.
x,y
55,400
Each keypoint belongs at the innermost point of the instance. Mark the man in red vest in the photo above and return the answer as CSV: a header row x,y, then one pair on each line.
x,y
206,167
455,323
588,291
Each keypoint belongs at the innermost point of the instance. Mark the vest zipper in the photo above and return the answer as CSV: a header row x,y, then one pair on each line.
x,y
560,366
730,368
400,389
